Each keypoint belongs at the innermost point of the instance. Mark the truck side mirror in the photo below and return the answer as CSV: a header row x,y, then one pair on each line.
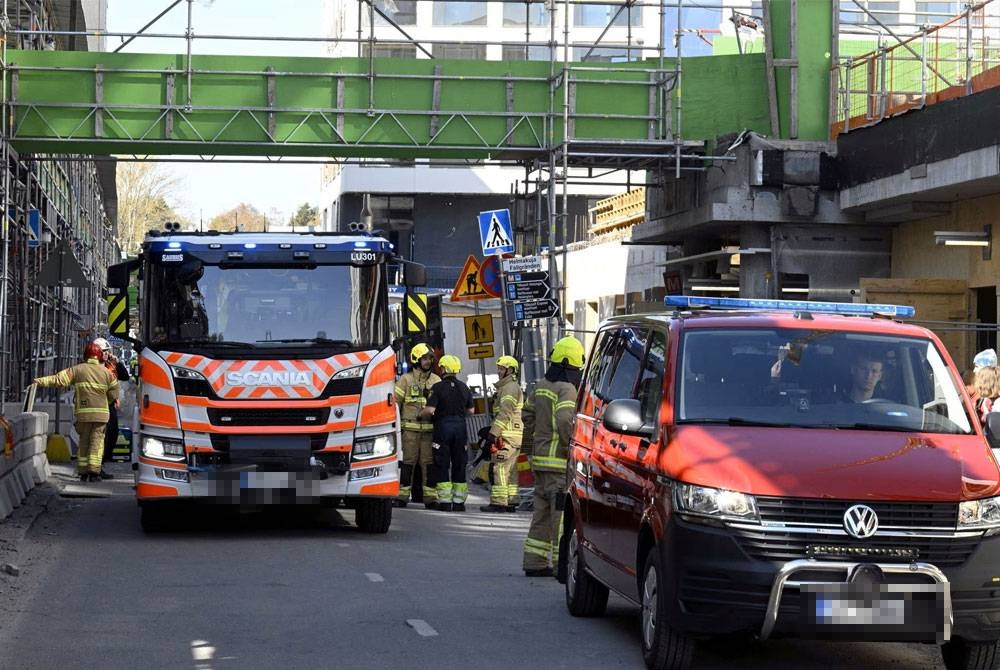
x,y
414,274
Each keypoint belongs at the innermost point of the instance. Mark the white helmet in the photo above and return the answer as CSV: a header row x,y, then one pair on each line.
x,y
102,343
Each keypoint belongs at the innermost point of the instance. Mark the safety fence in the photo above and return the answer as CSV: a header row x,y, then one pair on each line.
x,y
23,463
958,57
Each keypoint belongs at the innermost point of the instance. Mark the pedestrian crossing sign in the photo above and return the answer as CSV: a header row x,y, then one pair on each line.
x,y
496,232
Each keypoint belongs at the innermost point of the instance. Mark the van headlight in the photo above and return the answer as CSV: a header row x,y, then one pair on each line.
x,y
375,447
717,503
983,513
167,450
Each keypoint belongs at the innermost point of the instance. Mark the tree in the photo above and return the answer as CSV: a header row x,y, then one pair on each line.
x,y
305,216
146,193
247,217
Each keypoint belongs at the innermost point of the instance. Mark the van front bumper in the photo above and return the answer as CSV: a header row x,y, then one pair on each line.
x,y
720,588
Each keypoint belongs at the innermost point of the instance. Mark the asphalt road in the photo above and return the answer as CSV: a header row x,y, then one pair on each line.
x,y
438,591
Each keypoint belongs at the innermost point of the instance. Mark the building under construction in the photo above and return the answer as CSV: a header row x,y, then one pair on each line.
x,y
52,203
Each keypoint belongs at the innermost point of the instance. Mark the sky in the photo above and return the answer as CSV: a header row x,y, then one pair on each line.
x,y
206,189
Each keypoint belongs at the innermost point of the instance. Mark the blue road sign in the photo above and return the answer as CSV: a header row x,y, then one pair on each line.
x,y
34,228
496,232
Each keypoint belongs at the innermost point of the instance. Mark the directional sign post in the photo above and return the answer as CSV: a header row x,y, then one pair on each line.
x,y
534,309
34,228
528,285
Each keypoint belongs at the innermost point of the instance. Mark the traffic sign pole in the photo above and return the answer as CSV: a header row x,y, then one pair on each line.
x,y
507,349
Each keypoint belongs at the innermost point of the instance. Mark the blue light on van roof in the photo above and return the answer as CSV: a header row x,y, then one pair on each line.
x,y
173,245
250,245
362,245
858,309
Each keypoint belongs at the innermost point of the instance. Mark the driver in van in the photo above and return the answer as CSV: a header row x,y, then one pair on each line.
x,y
866,373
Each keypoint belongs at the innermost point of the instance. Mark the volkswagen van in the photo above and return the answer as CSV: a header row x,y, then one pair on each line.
x,y
782,468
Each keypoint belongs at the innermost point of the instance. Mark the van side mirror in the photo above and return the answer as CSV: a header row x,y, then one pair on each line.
x,y
992,429
625,416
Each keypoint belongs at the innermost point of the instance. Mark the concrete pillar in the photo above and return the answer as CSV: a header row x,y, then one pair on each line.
x,y
756,280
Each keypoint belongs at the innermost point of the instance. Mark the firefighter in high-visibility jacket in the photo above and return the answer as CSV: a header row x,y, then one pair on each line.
x,y
506,432
94,390
412,390
548,425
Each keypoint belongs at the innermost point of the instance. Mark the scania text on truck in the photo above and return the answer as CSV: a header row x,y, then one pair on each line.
x,y
266,371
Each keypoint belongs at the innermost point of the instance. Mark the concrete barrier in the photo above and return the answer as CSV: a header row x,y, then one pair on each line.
x,y
25,466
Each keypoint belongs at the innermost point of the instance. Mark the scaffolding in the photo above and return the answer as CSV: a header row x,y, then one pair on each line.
x,y
48,202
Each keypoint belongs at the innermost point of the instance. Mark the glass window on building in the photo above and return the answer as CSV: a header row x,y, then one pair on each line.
x,y
933,13
605,54
885,11
518,14
515,52
403,12
461,51
391,212
598,16
391,50
459,13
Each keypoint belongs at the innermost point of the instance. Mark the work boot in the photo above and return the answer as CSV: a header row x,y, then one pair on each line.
x,y
105,475
94,477
84,476
443,507
399,503
431,505
511,508
492,509
538,572
458,507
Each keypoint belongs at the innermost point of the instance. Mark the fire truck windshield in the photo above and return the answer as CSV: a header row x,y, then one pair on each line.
x,y
261,307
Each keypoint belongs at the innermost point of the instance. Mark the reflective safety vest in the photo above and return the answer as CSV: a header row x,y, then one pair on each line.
x,y
412,390
509,401
94,388
548,425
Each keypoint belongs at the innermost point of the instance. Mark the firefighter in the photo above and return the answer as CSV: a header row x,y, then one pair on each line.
x,y
450,402
95,389
118,369
505,433
412,390
548,423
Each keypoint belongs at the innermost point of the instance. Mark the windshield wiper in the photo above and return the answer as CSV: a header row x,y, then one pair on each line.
x,y
214,343
740,421
860,425
313,340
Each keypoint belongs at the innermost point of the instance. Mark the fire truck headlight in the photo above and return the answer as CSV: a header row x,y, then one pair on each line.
x,y
168,450
375,447
184,373
350,373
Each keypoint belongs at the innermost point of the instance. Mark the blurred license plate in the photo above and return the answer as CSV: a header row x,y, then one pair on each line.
x,y
269,480
850,611
913,612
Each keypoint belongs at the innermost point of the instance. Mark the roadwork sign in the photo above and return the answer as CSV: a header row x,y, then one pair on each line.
x,y
479,329
496,232
468,287
481,351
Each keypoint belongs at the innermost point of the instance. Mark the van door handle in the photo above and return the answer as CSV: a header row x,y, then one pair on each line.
x,y
621,445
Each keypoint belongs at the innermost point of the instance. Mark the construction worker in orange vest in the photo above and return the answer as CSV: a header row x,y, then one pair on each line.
x,y
506,432
412,390
95,389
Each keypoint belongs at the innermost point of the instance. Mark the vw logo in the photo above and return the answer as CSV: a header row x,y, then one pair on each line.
x,y
860,521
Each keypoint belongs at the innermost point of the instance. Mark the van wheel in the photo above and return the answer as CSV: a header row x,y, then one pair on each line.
x,y
585,596
374,516
663,648
959,654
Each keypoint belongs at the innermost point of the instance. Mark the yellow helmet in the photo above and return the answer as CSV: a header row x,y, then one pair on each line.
x,y
568,351
450,365
419,351
507,362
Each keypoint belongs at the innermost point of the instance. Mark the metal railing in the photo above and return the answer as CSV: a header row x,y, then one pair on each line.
x,y
953,59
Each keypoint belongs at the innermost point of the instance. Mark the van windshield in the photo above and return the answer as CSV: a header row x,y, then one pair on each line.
x,y
817,379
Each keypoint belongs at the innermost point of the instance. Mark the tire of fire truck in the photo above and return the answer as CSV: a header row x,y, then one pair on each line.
x,y
373,515
154,518
663,648
960,654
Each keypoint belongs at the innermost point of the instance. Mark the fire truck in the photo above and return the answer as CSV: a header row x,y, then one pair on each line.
x,y
266,369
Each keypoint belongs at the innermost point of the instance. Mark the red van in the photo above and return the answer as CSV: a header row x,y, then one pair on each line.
x,y
782,468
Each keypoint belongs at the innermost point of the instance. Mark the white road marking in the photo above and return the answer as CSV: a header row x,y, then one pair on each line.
x,y
203,654
374,577
423,628
343,544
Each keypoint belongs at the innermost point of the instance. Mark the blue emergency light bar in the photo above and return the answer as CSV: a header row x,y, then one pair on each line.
x,y
856,309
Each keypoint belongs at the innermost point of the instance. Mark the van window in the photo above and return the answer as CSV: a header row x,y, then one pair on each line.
x,y
650,388
813,378
626,354
601,362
